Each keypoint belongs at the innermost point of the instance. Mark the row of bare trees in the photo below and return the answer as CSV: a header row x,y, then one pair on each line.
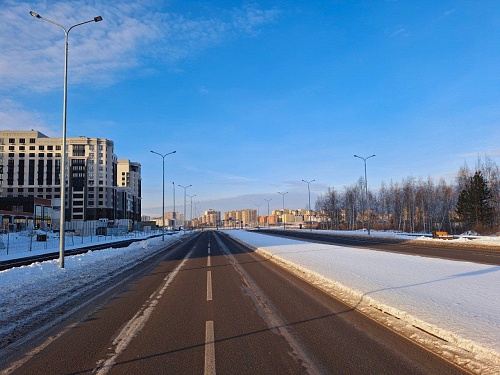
x,y
411,205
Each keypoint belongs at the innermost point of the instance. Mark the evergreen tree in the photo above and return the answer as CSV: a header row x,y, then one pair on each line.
x,y
474,202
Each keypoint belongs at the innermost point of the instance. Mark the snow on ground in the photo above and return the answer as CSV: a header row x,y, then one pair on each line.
x,y
22,244
458,301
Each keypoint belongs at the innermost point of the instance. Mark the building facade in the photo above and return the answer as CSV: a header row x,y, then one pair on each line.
x,y
30,165
129,190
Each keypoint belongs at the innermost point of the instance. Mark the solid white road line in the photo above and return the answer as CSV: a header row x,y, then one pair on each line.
x,y
270,313
135,325
209,285
209,348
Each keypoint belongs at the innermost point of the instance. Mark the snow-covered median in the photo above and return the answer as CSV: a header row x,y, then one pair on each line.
x,y
458,302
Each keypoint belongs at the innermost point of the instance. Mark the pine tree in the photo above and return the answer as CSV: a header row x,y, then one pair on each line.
x,y
474,203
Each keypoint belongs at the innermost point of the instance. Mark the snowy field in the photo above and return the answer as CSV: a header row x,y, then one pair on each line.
x,y
22,244
457,301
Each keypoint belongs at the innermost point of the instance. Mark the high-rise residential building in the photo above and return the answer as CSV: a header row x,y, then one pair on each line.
x,y
246,217
211,218
30,165
129,190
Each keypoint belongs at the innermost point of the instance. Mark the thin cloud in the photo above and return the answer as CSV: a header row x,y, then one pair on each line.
x,y
131,36
14,116
222,176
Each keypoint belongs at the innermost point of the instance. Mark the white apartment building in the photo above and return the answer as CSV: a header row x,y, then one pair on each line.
x,y
129,190
30,165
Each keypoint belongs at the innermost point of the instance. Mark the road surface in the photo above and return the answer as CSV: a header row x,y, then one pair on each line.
x,y
210,305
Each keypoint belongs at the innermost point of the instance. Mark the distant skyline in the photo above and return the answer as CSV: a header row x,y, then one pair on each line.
x,y
256,96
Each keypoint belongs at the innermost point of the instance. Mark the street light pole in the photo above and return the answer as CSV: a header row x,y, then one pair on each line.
x,y
191,214
283,217
63,155
195,213
268,200
185,188
163,192
309,193
174,214
366,188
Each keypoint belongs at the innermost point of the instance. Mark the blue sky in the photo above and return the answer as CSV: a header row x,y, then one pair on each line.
x,y
256,96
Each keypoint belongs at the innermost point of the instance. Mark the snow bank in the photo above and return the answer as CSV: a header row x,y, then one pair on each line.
x,y
455,301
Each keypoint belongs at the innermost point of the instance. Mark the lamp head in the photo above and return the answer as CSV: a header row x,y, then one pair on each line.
x,y
98,18
36,15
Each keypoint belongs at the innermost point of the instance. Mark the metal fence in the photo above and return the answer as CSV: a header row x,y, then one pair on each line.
x,y
15,243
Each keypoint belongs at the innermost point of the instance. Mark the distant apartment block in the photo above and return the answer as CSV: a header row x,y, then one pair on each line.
x,y
30,165
246,217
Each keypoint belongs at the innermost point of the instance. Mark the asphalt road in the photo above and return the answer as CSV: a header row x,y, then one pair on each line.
x,y
209,306
444,249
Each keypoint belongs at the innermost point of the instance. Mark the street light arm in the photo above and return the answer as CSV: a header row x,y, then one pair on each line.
x,y
36,15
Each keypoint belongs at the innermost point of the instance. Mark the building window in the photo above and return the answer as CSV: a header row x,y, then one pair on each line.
x,y
58,147
22,140
41,154
12,140
32,148
32,140
32,154
78,150
31,172
50,148
12,148
41,147
22,148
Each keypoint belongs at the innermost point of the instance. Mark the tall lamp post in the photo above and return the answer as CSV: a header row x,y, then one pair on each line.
x,y
309,193
283,217
174,215
366,188
185,188
195,213
63,156
268,200
163,192
191,214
